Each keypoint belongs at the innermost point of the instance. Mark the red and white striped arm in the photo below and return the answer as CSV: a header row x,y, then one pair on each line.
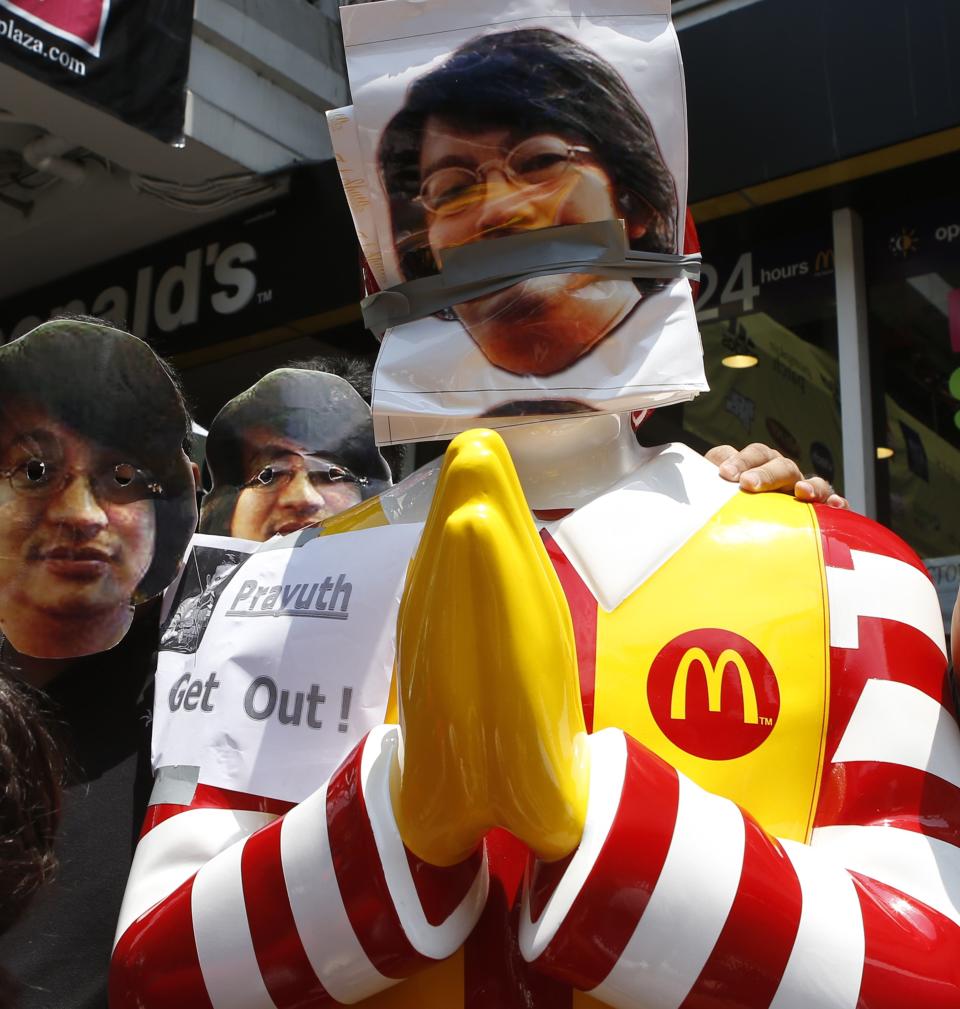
x,y
889,808
677,898
324,905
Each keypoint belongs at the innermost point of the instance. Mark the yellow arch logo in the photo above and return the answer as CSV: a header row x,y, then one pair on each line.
x,y
823,263
713,673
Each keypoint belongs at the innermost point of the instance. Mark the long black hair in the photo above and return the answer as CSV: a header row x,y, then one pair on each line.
x,y
532,80
31,776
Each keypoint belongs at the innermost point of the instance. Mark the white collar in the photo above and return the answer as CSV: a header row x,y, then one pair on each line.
x,y
620,538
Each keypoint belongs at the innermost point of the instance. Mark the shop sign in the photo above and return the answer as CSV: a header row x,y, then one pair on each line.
x,y
914,241
741,282
233,278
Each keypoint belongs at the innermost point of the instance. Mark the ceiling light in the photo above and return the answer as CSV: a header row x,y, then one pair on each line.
x,y
883,452
740,361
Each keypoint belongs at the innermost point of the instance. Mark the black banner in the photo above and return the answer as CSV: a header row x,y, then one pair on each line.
x,y
288,260
127,57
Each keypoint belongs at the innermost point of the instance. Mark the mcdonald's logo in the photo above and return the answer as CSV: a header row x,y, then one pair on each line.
x,y
823,263
713,693
713,674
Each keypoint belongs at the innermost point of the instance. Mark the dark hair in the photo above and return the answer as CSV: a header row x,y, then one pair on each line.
x,y
539,408
358,371
533,79
111,387
30,781
171,372
315,408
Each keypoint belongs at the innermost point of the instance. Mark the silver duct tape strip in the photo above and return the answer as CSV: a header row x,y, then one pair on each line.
x,y
174,784
481,268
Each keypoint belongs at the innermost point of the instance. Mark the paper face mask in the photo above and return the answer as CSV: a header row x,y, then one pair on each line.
x,y
97,500
462,134
292,450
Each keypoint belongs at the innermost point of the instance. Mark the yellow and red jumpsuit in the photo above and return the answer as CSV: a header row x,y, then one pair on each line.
x,y
773,819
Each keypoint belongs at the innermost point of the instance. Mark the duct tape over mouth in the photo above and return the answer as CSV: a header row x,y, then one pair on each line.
x,y
482,268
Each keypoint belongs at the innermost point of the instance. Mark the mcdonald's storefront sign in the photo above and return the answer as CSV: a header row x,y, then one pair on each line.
x,y
713,694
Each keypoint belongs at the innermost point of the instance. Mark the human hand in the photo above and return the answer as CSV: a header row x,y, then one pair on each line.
x,y
759,468
490,713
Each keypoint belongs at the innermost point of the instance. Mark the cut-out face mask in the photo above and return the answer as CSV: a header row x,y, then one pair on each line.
x,y
462,134
97,500
291,451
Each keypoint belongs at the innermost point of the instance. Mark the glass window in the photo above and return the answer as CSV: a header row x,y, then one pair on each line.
x,y
913,295
767,313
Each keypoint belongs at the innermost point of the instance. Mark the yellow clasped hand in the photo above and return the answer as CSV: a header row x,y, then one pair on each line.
x,y
489,697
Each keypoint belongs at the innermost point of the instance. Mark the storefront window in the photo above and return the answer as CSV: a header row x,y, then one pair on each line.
x,y
768,320
913,281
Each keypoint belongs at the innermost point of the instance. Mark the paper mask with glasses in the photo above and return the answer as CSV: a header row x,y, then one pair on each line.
x,y
460,135
292,450
97,499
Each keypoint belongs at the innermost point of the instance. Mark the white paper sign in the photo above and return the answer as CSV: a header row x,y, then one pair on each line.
x,y
270,688
346,151
476,123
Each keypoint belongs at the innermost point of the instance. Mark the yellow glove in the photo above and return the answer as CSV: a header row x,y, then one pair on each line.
x,y
490,713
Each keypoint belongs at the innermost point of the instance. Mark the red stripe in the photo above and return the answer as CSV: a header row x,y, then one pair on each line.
x,y
836,553
866,793
441,889
583,611
286,971
360,876
606,911
910,956
842,531
751,954
888,651
495,975
210,797
155,963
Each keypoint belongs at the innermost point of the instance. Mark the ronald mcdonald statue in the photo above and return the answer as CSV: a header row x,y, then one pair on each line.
x,y
582,724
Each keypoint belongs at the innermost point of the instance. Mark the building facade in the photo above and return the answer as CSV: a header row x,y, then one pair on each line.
x,y
824,149
824,146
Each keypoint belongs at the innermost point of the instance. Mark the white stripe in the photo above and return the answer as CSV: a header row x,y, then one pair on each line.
x,y
923,867
687,909
334,952
885,588
826,963
224,945
434,941
895,723
173,851
608,763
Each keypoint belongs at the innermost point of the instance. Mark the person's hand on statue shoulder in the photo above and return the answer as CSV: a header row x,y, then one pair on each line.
x,y
759,468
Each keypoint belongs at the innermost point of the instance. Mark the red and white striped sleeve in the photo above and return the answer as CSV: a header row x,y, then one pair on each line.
x,y
242,908
678,898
